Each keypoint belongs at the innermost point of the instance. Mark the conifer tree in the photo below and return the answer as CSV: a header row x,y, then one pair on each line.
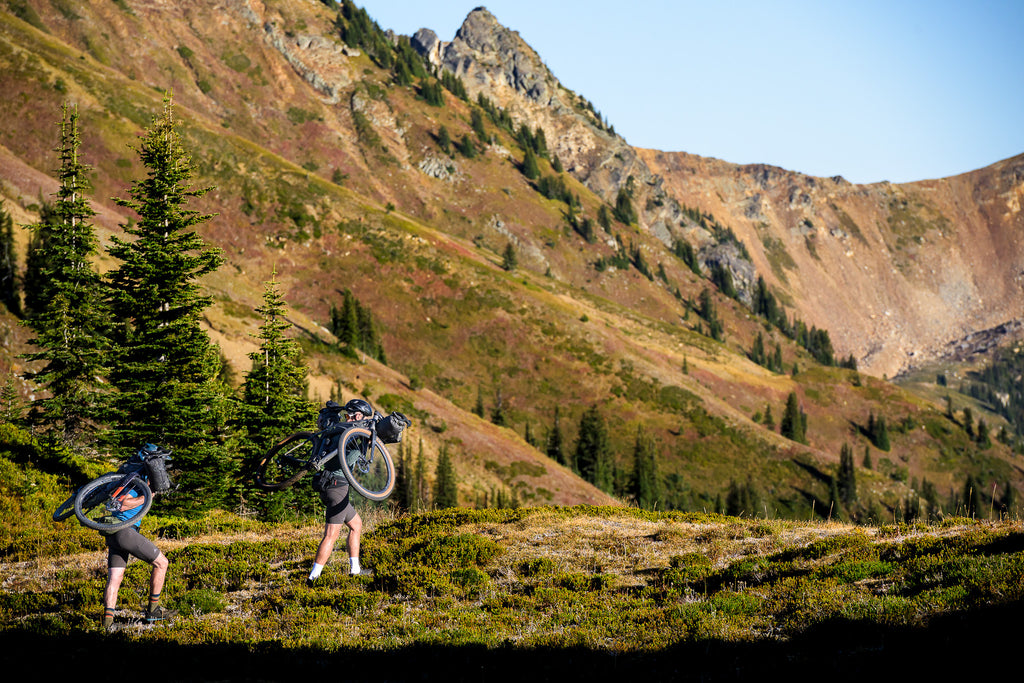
x,y
402,497
10,403
834,497
8,263
757,351
509,260
1008,503
274,400
478,407
165,367
530,168
969,421
646,484
69,316
847,476
878,432
446,494
553,447
624,211
444,140
793,425
498,414
419,482
593,456
982,438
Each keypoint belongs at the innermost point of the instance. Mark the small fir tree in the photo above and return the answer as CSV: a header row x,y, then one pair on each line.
x,y
553,447
10,403
274,400
530,168
444,140
498,414
593,456
793,425
445,484
509,260
847,476
646,484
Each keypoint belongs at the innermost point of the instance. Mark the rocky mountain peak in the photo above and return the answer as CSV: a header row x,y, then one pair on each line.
x,y
502,58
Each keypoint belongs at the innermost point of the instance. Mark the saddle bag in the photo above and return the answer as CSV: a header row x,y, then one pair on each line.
x,y
390,428
159,479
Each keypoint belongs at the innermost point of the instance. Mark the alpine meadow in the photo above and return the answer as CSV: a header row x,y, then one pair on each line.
x,y
669,414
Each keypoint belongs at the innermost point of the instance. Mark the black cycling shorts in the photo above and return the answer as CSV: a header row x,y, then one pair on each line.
x,y
339,509
126,542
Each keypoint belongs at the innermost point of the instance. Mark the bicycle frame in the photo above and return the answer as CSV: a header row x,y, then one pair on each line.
x,y
321,456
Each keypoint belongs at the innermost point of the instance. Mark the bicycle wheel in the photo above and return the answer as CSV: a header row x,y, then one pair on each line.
x,y
286,462
371,474
92,502
66,509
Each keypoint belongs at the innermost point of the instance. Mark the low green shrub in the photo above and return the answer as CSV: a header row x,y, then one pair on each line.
x,y
201,601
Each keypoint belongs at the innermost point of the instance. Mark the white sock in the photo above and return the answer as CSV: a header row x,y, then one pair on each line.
x,y
353,565
315,572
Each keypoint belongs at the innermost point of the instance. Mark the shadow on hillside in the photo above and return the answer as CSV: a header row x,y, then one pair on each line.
x,y
838,650
814,472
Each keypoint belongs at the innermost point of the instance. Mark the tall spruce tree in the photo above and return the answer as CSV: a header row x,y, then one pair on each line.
x,y
274,402
69,317
593,454
165,367
8,263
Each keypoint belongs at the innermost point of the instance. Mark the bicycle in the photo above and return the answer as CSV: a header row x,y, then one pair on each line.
x,y
367,465
97,503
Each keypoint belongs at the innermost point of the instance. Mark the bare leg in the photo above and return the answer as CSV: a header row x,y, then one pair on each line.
x,y
114,577
323,553
355,526
156,579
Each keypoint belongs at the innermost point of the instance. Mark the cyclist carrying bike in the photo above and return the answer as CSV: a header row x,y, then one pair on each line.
x,y
333,488
123,544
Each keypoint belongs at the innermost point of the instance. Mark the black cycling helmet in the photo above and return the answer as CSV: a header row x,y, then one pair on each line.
x,y
358,405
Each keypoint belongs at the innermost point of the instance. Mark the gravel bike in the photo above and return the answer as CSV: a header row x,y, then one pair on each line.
x,y
367,465
97,503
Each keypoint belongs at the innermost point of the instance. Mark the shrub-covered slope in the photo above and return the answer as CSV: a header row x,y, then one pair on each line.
x,y
464,593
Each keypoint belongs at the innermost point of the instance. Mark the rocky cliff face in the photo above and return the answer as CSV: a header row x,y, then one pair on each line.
x,y
897,273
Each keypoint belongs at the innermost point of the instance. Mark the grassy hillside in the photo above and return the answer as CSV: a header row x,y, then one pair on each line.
x,y
570,590
322,184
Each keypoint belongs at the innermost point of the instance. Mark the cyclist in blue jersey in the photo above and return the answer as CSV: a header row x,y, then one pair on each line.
x,y
127,542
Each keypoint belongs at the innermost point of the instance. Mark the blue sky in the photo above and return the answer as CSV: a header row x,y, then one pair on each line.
x,y
869,90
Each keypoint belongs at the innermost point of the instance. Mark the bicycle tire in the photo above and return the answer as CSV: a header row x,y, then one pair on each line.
x,y
286,462
373,478
65,510
91,503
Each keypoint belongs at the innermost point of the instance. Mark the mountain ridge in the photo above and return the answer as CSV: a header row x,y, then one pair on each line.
x,y
350,189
